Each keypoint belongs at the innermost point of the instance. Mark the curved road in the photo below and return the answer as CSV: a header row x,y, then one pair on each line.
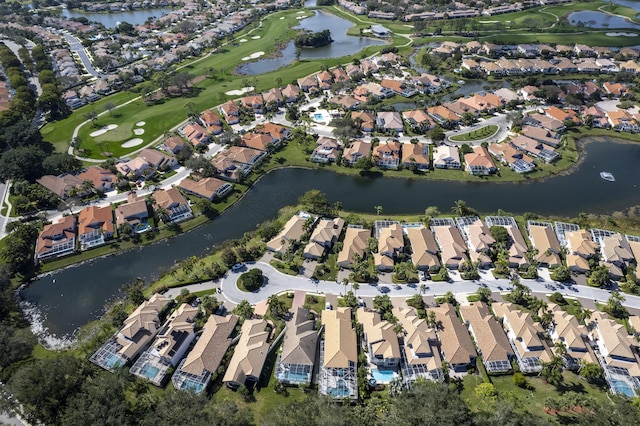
x,y
75,45
278,282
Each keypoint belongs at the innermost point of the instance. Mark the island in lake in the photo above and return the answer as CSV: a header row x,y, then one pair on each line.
x,y
316,39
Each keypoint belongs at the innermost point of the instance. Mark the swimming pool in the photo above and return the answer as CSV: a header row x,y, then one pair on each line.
x,y
318,116
112,361
149,371
620,386
341,390
383,376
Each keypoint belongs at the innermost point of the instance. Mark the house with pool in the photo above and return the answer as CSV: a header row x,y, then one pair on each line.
x,y
380,342
138,330
195,371
169,346
95,226
297,358
134,212
338,355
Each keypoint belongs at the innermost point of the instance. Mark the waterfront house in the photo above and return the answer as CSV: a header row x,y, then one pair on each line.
x,y
380,340
325,79
489,337
355,243
416,156
95,226
277,132
420,349
169,346
479,162
517,246
542,135
457,347
616,254
356,150
479,239
452,247
134,212
424,249
390,244
525,337
545,241
580,248
297,358
57,239
137,331
446,157
327,150
209,188
171,205
399,87
535,148
249,355
195,371
324,235
443,115
292,231
386,154
257,141
515,159
338,355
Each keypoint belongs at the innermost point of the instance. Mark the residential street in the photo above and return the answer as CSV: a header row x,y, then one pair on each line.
x,y
76,46
278,282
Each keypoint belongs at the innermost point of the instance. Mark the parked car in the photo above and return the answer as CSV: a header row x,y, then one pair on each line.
x,y
237,267
328,306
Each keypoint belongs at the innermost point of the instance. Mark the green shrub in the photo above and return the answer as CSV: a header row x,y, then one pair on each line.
x,y
520,381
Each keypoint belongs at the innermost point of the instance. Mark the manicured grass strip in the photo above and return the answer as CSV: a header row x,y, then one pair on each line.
x,y
477,134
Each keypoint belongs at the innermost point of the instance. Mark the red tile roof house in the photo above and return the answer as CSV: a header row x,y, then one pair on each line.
x,y
291,93
339,74
57,239
399,87
196,134
386,155
273,98
64,186
95,226
134,212
356,150
173,144
419,120
176,208
276,131
325,79
509,155
103,180
562,115
230,111
327,150
257,141
226,169
210,188
416,155
479,162
365,120
255,102
212,122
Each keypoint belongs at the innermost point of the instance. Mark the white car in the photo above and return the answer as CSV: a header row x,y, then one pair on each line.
x,y
237,267
328,306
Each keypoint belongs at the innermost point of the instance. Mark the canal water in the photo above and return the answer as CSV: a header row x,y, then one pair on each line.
x,y
111,19
72,297
342,45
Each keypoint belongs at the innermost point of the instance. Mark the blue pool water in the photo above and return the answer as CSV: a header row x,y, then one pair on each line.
x,y
341,391
622,387
383,376
318,116
193,387
293,377
149,371
112,361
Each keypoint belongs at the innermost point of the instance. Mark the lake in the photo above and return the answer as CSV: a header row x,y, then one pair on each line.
x,y
633,4
343,44
600,20
72,297
110,20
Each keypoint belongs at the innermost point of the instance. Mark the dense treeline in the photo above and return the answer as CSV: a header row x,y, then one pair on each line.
x,y
318,39
23,104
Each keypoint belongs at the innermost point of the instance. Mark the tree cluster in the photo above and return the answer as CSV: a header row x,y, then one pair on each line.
x,y
317,39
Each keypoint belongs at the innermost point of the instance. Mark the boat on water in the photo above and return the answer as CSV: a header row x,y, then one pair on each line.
x,y
607,176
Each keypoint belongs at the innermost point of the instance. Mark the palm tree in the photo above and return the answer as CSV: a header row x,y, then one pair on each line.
x,y
378,210
423,288
460,208
560,347
355,286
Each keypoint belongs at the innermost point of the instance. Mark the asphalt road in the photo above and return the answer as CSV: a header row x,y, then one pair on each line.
x,y
76,46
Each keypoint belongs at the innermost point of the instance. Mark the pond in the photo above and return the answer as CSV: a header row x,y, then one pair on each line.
x,y
343,44
632,4
600,20
110,20
72,297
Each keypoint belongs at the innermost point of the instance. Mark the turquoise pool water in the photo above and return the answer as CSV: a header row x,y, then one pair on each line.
x,y
318,116
383,376
620,386
342,390
112,361
293,377
149,371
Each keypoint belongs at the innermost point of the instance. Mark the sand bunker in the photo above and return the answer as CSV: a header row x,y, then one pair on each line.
x,y
622,34
300,13
138,131
300,17
132,142
256,37
282,18
253,56
140,123
104,130
239,92
243,40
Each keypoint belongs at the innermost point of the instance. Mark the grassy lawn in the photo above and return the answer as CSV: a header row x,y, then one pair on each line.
x,y
266,400
530,400
477,134
316,303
